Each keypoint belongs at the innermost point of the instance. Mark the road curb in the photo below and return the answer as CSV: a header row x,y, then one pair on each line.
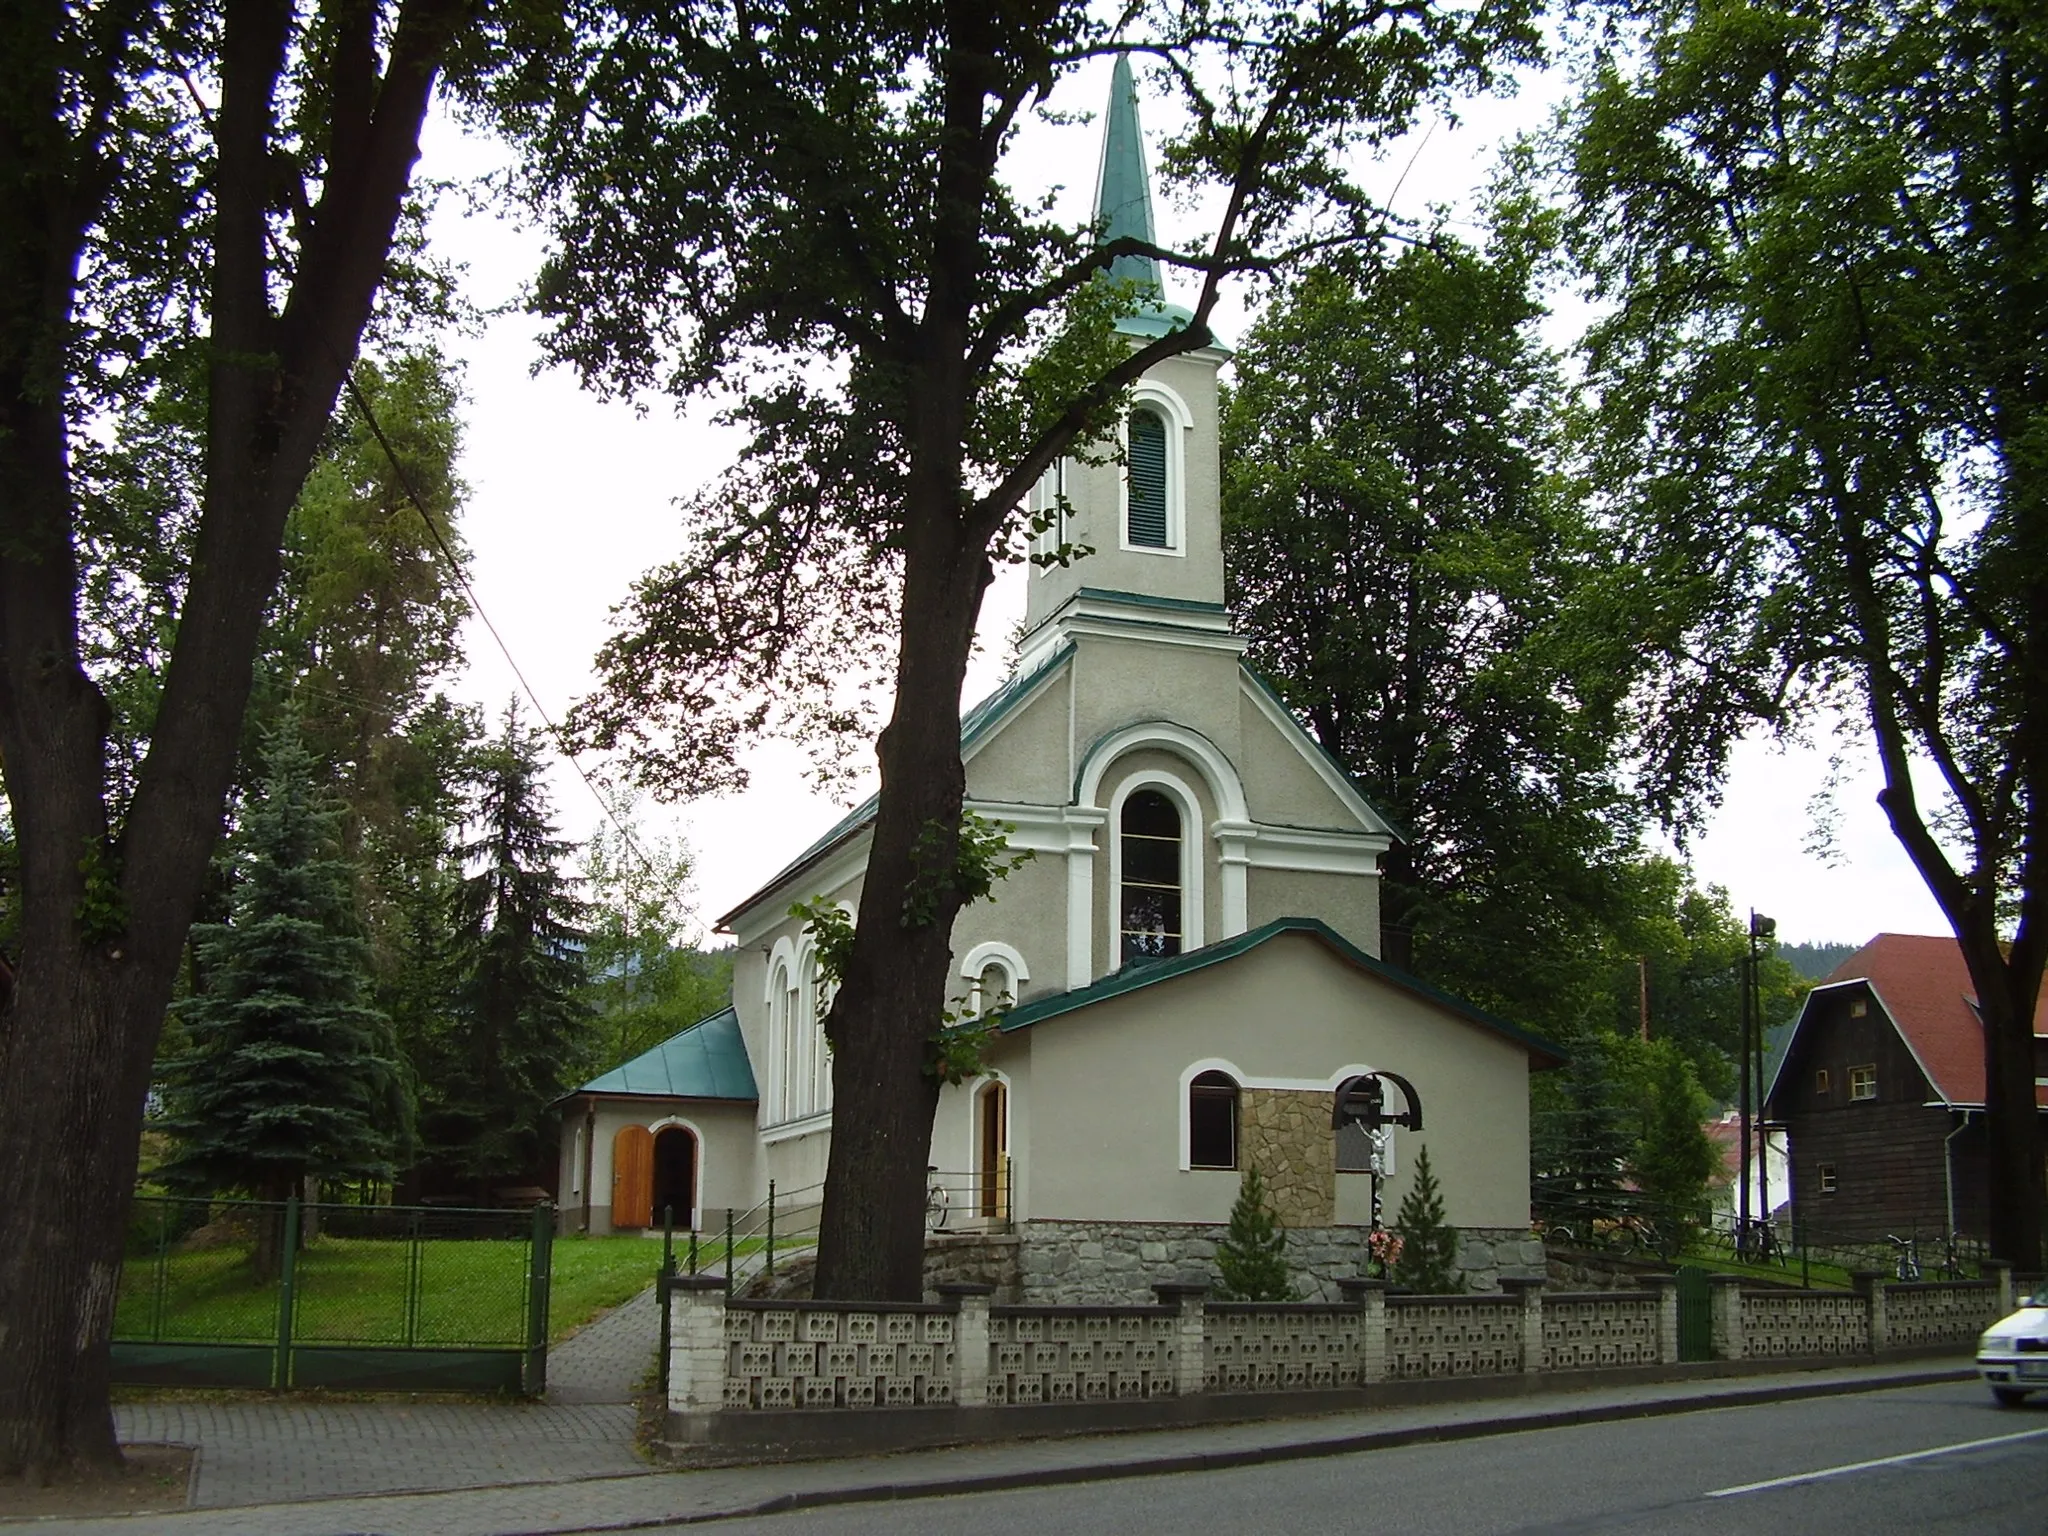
x,y
1262,1455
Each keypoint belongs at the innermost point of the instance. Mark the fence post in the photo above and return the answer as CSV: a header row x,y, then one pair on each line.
x,y
1999,1273
1370,1297
163,1250
1870,1285
540,1271
970,1340
1666,1287
287,1281
1190,1333
1726,1300
1530,1288
771,1229
663,1279
696,1355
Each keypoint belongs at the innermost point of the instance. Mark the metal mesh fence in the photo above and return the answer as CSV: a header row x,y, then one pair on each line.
x,y
392,1277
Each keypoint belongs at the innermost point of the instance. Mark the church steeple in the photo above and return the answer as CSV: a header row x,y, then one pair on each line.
x,y
1147,512
1123,192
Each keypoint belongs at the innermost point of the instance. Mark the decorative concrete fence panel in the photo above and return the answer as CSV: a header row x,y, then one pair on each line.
x,y
1454,1336
1081,1354
1926,1316
1609,1329
824,1355
1275,1347
1776,1323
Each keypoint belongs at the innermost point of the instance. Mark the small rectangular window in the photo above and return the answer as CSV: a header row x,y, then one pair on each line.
x,y
1858,1007
1863,1082
1827,1178
1820,1082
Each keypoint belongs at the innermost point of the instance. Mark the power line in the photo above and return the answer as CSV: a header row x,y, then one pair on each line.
x,y
369,415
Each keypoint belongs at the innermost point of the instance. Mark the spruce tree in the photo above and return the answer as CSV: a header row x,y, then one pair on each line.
x,y
1251,1261
1429,1244
287,1072
1579,1140
519,1027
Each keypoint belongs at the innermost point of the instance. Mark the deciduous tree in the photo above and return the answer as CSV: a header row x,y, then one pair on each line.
x,y
199,199
1823,232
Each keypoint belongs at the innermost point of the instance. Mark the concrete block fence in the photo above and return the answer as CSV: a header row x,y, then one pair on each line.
x,y
743,1370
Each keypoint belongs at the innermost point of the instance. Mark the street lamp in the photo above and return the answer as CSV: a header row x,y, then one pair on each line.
x,y
1760,927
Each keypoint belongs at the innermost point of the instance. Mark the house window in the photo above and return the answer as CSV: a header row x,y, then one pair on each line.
x,y
1145,516
1212,1121
1863,1082
1826,1172
1149,912
1858,1007
1820,1082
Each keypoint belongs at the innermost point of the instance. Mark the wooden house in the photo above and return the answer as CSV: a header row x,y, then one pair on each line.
x,y
1881,1093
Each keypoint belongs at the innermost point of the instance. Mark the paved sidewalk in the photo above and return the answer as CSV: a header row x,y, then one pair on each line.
x,y
650,1499
605,1361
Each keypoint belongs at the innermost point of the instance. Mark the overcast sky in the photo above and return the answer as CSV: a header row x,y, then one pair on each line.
x,y
571,498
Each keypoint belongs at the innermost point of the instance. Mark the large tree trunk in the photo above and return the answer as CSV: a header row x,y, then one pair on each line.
x,y
894,991
105,910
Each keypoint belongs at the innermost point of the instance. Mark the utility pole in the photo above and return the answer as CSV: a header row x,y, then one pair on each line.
x,y
1742,1157
1760,928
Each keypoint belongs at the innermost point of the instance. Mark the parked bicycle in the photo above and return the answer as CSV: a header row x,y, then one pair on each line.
x,y
937,1203
1908,1250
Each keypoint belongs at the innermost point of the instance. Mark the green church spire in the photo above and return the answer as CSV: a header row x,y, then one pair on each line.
x,y
1123,192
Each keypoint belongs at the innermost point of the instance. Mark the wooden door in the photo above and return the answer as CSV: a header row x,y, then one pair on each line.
x,y
995,1150
633,1177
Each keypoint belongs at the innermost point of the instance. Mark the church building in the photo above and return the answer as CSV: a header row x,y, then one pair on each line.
x,y
1182,975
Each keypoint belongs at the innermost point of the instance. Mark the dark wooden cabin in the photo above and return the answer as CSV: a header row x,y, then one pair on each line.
x,y
1881,1094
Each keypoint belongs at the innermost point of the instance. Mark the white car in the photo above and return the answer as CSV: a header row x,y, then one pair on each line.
x,y
2012,1354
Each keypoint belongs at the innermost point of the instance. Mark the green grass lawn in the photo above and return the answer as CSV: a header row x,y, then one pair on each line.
x,y
366,1291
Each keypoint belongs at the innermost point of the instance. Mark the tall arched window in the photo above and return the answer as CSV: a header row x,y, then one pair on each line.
x,y
1149,911
1145,518
1212,1121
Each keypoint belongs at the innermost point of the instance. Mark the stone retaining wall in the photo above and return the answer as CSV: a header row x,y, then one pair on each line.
x,y
1071,1263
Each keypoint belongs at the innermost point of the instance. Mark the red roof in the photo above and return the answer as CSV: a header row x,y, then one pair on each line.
x,y
1925,987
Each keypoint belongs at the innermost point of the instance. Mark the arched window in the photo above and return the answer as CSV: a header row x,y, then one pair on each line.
x,y
1149,905
994,988
1145,517
1212,1121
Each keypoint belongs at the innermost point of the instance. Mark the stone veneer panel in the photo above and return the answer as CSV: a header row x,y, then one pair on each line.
x,y
1285,1134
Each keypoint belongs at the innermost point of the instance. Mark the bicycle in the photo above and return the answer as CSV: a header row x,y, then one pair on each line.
x,y
1909,1256
937,1203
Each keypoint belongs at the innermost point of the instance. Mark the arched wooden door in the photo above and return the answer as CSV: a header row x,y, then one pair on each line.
x,y
633,1177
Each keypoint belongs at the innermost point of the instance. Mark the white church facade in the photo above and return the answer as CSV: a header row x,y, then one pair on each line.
x,y
1183,973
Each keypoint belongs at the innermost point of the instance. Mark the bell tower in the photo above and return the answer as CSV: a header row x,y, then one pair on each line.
x,y
1150,515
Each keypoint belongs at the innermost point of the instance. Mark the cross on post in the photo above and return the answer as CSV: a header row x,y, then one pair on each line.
x,y
1362,1101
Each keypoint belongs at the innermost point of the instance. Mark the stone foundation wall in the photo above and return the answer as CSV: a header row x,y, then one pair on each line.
x,y
1076,1263
974,1258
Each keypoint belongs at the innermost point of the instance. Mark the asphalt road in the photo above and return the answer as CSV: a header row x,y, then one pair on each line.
x,y
1941,1458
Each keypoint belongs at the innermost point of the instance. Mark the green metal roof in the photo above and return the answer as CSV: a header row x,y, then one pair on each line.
x,y
1123,192
1150,973
975,724
706,1061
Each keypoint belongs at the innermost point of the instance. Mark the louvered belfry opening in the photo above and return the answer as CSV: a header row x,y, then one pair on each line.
x,y
1145,453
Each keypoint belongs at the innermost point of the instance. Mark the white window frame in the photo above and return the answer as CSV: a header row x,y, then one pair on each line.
x,y
1863,1083
1193,846
975,963
1150,394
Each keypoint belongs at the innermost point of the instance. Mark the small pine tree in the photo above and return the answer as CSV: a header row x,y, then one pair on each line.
x,y
1252,1258
1429,1244
1673,1159
286,1072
